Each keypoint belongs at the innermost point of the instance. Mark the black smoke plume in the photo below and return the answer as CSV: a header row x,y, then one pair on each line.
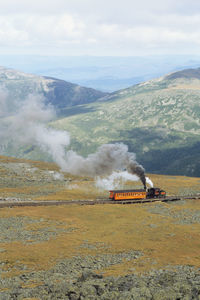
x,y
26,125
107,159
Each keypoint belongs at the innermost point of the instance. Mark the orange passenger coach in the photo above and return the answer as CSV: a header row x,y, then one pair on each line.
x,y
127,194
137,194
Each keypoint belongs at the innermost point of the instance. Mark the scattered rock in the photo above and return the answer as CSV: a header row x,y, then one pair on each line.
x,y
16,229
182,282
184,216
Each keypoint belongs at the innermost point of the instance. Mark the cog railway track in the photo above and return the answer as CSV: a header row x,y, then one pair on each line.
x,y
4,203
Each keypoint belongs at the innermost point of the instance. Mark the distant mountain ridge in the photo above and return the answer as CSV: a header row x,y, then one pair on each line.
x,y
187,73
158,119
58,92
102,73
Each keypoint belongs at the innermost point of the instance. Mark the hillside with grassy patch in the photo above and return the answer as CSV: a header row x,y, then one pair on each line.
x,y
159,120
59,93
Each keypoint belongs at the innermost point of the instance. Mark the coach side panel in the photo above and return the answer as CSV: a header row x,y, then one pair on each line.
x,y
130,195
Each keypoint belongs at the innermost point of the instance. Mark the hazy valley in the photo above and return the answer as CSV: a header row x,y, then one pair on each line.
x,y
105,73
157,119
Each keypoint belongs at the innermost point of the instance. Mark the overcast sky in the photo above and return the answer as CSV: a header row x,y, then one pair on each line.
x,y
100,27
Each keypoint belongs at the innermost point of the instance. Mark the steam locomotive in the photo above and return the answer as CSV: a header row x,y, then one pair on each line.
x,y
137,194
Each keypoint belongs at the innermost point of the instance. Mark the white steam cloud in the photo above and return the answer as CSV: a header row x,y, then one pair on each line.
x,y
115,180
148,181
26,125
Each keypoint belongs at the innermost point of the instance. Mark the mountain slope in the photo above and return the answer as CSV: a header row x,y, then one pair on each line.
x,y
158,119
57,92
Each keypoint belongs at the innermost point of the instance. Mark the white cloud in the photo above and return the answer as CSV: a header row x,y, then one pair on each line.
x,y
39,29
100,27
104,8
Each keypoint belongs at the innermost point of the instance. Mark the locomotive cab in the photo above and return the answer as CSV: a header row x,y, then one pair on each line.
x,y
156,193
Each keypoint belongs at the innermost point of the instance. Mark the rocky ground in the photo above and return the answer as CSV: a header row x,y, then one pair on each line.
x,y
139,252
183,216
74,279
35,180
23,180
81,277
16,229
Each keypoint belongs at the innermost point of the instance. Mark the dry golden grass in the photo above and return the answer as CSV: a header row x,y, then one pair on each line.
x,y
176,184
77,190
77,187
39,164
120,228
